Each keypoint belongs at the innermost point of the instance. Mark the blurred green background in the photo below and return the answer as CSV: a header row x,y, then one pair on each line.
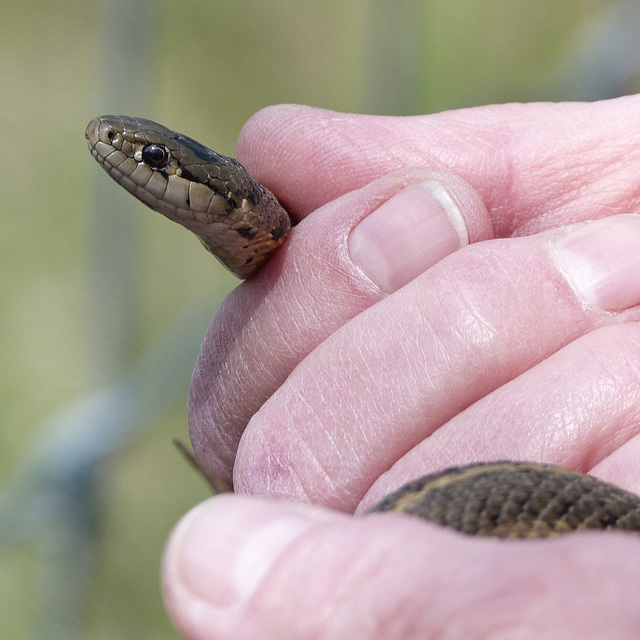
x,y
104,304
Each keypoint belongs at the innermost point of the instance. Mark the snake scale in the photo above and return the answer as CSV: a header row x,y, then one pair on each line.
x,y
241,223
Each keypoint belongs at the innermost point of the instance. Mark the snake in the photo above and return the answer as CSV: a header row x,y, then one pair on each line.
x,y
237,219
242,223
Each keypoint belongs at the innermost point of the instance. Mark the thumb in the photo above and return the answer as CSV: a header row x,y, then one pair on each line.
x,y
241,568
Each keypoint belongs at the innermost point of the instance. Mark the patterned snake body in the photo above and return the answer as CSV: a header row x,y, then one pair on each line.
x,y
242,223
516,500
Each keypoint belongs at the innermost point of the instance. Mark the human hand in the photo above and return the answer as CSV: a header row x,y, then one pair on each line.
x,y
505,349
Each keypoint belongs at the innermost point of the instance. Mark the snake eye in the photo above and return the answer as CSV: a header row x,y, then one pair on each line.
x,y
157,156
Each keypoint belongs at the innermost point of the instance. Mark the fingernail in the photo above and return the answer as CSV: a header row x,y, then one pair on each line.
x,y
407,234
601,260
220,552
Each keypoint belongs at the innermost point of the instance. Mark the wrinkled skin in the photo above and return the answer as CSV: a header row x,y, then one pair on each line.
x,y
330,382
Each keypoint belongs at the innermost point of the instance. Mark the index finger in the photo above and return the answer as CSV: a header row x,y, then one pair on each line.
x,y
534,165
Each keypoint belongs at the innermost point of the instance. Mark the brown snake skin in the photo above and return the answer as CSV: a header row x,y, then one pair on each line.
x,y
516,500
237,219
242,223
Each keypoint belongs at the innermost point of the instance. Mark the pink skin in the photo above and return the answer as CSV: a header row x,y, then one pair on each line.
x,y
241,568
316,384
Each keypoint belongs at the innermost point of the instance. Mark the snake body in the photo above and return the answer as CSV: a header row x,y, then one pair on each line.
x,y
516,500
242,223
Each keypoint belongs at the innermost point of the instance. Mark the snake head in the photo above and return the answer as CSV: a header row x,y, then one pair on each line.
x,y
236,218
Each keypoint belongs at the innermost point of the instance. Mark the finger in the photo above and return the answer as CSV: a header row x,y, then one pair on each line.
x,y
577,408
536,166
335,264
394,374
243,569
621,465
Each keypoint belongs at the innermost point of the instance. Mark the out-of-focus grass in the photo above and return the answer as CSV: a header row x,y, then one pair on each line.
x,y
85,297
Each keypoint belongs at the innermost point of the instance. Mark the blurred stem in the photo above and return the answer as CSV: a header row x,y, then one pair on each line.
x,y
124,79
395,56
65,479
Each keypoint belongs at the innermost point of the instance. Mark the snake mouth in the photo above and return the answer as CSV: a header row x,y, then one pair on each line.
x,y
106,130
91,132
104,138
